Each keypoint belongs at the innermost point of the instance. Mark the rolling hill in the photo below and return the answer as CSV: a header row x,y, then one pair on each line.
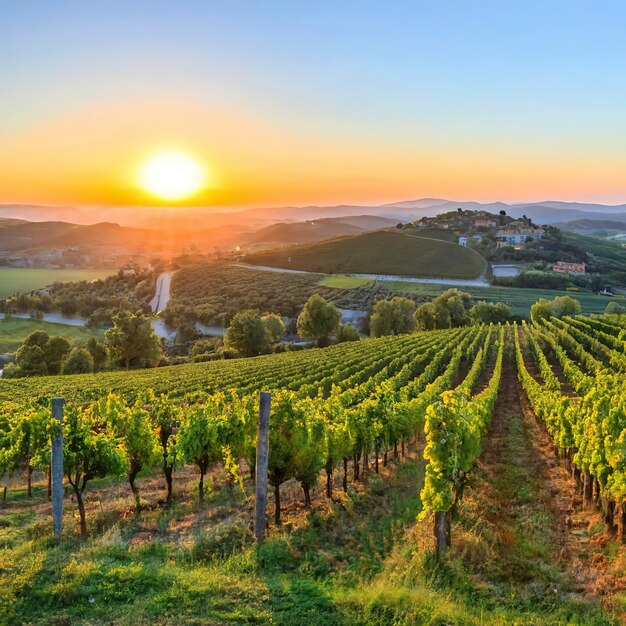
x,y
317,230
188,218
600,228
380,252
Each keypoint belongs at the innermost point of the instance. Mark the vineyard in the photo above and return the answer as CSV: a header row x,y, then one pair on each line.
x,y
379,451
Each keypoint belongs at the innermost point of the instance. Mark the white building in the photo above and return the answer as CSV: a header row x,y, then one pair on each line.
x,y
463,241
520,236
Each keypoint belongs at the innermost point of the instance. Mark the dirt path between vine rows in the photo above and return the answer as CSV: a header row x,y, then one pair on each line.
x,y
522,529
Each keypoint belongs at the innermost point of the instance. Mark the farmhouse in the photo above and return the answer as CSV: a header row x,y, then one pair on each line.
x,y
563,266
484,222
521,235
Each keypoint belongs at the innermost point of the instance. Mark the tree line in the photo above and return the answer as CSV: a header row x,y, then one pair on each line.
x,y
130,342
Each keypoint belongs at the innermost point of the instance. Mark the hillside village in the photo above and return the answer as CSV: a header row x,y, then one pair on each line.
x,y
543,255
475,227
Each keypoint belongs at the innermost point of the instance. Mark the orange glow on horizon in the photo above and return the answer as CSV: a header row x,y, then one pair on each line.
x,y
91,157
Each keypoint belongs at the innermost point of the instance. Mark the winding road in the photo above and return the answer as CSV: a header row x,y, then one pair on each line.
x,y
481,281
162,295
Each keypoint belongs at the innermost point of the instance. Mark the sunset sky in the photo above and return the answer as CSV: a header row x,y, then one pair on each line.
x,y
314,102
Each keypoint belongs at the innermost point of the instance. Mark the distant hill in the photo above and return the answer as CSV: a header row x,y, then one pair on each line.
x,y
31,236
235,221
380,252
105,234
22,235
8,221
317,230
422,203
600,228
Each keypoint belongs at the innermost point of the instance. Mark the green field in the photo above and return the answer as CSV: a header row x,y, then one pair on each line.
x,y
14,330
520,300
380,252
344,282
19,280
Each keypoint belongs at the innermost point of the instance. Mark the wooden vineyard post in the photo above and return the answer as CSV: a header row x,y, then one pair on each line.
x,y
441,534
57,470
262,457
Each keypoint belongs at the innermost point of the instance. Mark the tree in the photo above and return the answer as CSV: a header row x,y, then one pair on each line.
x,y
565,305
248,335
55,350
88,452
40,354
614,308
490,312
541,310
98,353
319,320
347,332
31,359
456,302
426,317
392,317
560,306
275,327
37,338
447,310
78,361
132,342
205,349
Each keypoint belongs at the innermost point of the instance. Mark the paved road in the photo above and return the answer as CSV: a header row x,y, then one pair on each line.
x,y
457,282
481,281
267,268
162,295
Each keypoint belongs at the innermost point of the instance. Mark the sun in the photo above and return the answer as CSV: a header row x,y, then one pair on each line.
x,y
172,176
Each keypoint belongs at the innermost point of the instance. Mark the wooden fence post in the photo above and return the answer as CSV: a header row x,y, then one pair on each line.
x,y
441,538
262,456
57,470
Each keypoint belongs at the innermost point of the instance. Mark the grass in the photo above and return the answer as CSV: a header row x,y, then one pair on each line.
x,y
23,280
379,252
13,331
344,282
357,561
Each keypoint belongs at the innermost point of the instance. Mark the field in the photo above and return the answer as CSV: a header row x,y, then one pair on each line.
x,y
360,439
223,290
22,280
14,330
380,252
344,282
